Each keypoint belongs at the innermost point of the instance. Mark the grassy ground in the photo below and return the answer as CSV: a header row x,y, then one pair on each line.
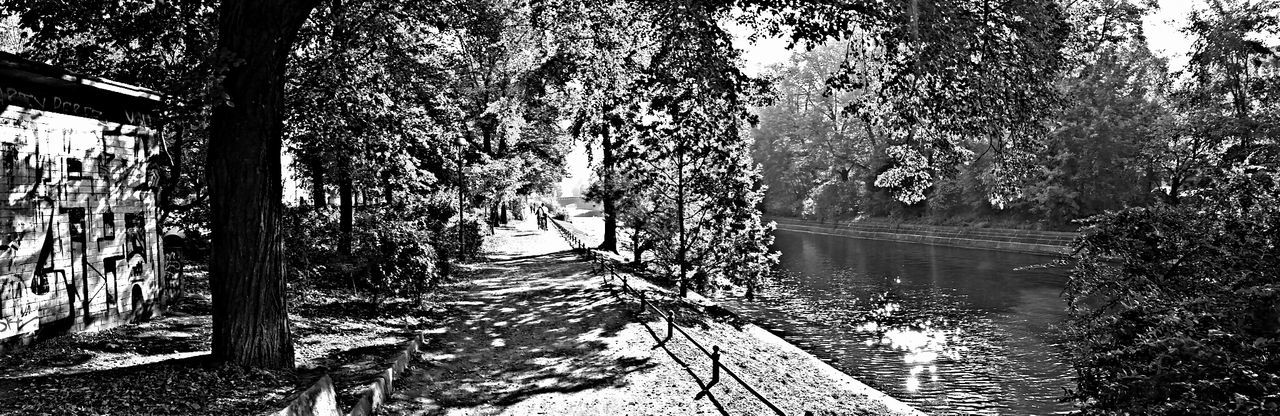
x,y
161,367
538,333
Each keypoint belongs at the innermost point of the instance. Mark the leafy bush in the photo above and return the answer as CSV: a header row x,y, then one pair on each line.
x,y
472,238
1176,309
310,241
832,200
395,250
397,255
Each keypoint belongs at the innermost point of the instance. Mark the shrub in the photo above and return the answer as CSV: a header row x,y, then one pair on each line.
x,y
472,239
397,255
310,241
1176,309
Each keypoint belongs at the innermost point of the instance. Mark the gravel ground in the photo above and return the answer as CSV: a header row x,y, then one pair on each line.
x,y
540,334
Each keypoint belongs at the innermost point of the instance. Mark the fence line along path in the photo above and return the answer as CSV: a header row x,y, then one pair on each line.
x,y
532,333
790,378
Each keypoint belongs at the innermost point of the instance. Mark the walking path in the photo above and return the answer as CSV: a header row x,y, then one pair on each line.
x,y
536,333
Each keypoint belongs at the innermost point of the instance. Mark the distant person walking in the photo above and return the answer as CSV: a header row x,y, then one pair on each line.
x,y
542,216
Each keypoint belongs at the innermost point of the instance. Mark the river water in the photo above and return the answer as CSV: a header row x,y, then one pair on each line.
x,y
947,330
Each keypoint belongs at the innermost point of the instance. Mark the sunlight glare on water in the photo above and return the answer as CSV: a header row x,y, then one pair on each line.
x,y
947,330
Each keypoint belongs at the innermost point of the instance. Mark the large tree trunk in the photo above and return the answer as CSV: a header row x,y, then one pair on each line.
x,y
174,177
610,242
318,199
681,258
246,270
502,211
388,191
346,214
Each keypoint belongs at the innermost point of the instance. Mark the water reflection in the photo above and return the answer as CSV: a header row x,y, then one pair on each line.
x,y
951,331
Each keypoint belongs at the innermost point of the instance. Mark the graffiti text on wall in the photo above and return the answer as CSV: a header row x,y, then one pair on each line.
x,y
65,192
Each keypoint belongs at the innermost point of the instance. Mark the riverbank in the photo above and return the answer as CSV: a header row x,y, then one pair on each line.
x,y
1001,239
538,333
762,344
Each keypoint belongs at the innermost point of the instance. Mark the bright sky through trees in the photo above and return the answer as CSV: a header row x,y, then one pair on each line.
x,y
1163,30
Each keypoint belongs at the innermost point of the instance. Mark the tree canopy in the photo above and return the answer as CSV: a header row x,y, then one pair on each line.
x,y
412,103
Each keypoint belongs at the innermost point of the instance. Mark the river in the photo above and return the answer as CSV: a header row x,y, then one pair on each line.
x,y
947,330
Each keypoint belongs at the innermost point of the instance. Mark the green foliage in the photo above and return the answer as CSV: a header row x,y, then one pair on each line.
x,y
506,72
167,46
472,235
398,254
1174,308
1099,158
815,155
832,200
692,189
396,250
11,34
1105,150
362,102
310,239
947,74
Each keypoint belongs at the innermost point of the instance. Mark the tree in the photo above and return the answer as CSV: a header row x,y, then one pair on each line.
x,y
169,46
949,73
692,185
1113,114
814,152
11,34
165,46
606,44
1173,307
362,102
246,268
508,71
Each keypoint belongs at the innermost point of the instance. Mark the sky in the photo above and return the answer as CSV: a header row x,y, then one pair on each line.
x,y
1162,27
1163,30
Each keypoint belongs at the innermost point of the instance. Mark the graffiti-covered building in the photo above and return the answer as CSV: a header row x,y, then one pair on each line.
x,y
78,243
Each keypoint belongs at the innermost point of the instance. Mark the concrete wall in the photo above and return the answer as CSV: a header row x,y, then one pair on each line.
x,y
1023,241
79,248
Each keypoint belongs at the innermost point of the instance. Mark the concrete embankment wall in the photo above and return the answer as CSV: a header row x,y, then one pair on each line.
x,y
1022,241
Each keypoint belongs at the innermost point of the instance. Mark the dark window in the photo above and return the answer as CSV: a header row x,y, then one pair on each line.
x,y
135,241
75,168
75,223
108,225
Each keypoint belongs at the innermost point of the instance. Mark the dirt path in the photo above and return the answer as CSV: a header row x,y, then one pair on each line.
x,y
537,333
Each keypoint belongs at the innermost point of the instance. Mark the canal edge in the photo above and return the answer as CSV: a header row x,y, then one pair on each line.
x,y
891,405
997,239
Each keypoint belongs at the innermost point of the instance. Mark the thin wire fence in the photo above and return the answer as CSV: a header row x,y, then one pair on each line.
x,y
605,266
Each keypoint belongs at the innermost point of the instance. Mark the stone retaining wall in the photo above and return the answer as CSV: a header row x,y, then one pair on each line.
x,y
1023,241
321,399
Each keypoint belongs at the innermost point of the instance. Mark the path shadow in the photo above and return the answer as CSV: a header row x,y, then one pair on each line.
x,y
539,324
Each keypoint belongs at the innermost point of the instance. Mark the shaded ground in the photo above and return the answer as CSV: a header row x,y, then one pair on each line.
x,y
540,334
156,367
159,367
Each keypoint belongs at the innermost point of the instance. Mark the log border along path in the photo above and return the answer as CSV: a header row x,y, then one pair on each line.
x,y
535,333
